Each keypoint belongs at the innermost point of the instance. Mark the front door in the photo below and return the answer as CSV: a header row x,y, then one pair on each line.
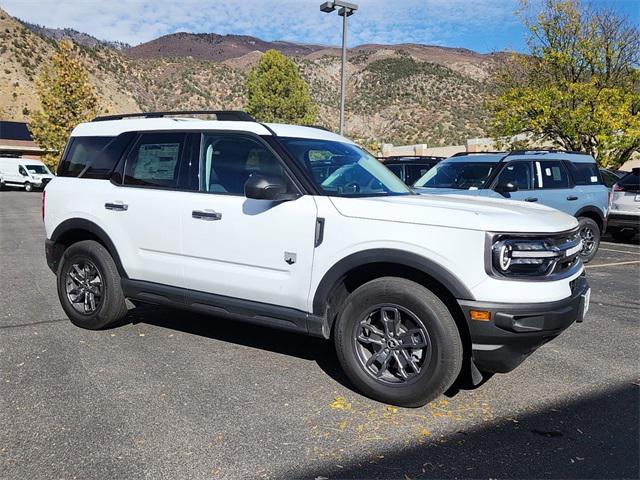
x,y
521,174
256,250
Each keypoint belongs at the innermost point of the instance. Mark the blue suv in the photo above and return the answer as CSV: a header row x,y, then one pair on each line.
x,y
567,181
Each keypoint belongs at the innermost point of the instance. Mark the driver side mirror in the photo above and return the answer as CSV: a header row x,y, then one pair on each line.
x,y
267,187
508,187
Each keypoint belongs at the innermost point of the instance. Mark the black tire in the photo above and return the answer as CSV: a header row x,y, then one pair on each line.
x,y
110,306
28,187
442,359
623,235
590,233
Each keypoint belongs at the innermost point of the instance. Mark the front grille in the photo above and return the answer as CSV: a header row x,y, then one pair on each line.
x,y
567,244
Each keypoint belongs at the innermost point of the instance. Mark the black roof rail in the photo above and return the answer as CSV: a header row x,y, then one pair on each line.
x,y
462,154
411,157
221,115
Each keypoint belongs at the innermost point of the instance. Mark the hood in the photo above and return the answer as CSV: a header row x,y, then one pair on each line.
x,y
458,211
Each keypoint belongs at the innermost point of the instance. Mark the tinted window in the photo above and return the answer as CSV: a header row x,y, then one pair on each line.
x,y
631,181
462,175
414,172
609,178
37,169
22,171
552,175
584,173
396,169
83,151
227,162
154,160
518,173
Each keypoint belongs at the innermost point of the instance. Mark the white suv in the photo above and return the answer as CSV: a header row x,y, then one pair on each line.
x,y
300,229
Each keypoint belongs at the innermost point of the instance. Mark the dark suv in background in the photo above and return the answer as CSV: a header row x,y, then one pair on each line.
x,y
410,169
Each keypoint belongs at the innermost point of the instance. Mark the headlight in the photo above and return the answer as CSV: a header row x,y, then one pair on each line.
x,y
515,256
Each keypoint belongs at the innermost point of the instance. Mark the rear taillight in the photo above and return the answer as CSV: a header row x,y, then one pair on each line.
x,y
618,188
44,195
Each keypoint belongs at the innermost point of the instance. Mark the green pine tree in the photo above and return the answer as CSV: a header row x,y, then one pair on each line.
x,y
67,98
277,93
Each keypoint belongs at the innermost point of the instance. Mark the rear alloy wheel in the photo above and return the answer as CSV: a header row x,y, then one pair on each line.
x,y
590,234
89,286
28,187
397,342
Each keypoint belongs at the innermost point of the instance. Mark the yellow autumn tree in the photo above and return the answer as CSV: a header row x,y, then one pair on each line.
x,y
580,87
67,99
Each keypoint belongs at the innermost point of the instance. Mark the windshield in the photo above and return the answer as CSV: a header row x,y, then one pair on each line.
x,y
344,169
37,169
462,175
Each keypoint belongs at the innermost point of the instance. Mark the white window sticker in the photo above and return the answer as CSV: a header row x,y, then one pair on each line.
x,y
594,179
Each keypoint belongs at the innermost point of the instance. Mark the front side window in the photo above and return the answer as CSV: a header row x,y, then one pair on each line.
x,y
518,173
228,160
154,160
22,171
552,175
343,169
460,175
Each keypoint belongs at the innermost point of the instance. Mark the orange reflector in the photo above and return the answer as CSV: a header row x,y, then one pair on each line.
x,y
482,315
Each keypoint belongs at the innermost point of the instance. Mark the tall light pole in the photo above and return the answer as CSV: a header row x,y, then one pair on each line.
x,y
346,10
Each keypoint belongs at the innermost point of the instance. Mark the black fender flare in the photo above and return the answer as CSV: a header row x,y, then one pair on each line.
x,y
386,255
95,230
593,210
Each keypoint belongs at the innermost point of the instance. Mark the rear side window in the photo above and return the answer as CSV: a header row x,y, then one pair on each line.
x,y
552,174
584,173
82,158
631,181
154,161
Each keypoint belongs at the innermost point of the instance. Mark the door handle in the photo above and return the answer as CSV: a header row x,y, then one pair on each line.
x,y
531,199
117,206
208,215
572,197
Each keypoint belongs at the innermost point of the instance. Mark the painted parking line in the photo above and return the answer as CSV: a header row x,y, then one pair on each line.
x,y
619,251
623,245
612,264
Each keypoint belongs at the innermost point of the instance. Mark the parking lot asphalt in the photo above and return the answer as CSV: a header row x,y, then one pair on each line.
x,y
174,395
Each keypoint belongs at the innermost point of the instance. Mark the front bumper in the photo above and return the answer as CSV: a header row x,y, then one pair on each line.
x,y
515,331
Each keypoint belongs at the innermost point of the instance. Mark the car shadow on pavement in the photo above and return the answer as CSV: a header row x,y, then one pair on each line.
x,y
594,436
244,333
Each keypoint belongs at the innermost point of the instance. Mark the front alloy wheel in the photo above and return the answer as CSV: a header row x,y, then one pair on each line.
x,y
392,344
590,235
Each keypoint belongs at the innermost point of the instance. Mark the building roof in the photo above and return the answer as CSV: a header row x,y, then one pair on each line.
x,y
14,131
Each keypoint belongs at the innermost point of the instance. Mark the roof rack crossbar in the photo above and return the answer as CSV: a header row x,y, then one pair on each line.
x,y
221,115
544,150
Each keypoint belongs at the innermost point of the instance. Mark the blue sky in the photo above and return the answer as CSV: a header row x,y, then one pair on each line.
x,y
480,25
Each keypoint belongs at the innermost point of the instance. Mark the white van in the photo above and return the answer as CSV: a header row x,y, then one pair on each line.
x,y
23,172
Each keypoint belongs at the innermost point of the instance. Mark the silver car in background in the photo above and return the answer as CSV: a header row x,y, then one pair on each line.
x,y
624,215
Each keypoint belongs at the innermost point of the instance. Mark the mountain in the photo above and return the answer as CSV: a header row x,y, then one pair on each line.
x,y
407,93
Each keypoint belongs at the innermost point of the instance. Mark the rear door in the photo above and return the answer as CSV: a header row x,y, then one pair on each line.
x,y
257,250
143,207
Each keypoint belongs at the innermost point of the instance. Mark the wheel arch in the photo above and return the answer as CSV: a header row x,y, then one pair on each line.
x,y
75,230
594,214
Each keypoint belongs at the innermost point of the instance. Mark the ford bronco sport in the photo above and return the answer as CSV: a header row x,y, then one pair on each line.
x,y
568,181
300,229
